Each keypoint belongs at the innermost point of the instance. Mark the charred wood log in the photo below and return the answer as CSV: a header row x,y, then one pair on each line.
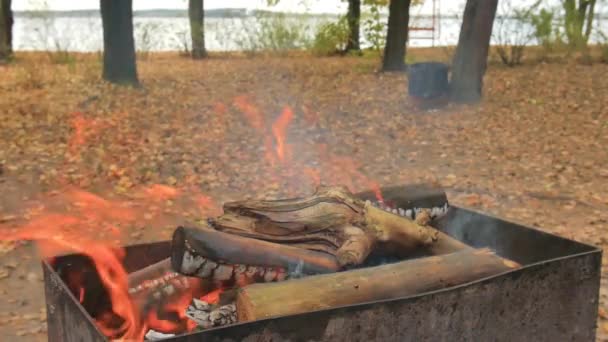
x,y
210,254
333,221
142,278
156,284
408,200
260,301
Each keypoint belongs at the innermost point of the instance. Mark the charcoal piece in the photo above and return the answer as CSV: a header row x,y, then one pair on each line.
x,y
207,316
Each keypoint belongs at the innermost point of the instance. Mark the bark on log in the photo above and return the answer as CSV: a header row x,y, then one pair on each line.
x,y
407,278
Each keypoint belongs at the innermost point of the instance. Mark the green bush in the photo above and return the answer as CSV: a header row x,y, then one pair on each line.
x,y
543,27
548,32
374,28
512,40
331,38
275,32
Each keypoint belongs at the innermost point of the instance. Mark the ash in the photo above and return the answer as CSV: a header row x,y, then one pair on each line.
x,y
208,316
153,335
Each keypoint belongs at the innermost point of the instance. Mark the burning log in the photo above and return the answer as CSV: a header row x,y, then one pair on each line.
x,y
260,301
209,254
156,284
332,221
151,276
409,200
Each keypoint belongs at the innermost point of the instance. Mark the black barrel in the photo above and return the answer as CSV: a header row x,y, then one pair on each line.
x,y
427,80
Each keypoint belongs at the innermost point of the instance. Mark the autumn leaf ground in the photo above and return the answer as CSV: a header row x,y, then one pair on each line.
x,y
534,151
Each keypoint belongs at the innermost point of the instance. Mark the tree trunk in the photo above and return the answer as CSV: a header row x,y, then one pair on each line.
x,y
196,13
396,38
118,43
406,278
470,61
6,30
590,18
354,19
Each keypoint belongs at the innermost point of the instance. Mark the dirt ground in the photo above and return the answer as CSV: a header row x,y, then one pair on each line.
x,y
533,151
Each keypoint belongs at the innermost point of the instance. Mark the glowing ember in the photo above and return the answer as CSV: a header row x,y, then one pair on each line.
x,y
212,297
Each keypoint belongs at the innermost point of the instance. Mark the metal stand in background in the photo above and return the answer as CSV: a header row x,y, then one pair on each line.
x,y
434,29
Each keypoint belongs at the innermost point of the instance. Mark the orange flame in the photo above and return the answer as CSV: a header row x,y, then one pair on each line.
x,y
279,129
175,307
63,226
213,297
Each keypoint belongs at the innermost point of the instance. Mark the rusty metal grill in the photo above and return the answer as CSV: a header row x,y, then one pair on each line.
x,y
553,297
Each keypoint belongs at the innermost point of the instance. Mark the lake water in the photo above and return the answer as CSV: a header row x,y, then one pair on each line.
x,y
222,34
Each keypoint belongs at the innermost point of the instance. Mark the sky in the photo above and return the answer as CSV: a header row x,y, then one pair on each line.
x,y
312,6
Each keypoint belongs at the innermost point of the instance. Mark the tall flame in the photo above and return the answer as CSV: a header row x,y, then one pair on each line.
x,y
279,129
334,169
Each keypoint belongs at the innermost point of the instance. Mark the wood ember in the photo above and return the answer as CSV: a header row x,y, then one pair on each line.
x,y
208,316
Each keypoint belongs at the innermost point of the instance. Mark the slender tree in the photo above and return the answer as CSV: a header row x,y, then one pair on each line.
x,y
118,44
578,20
6,30
396,37
354,18
196,12
470,61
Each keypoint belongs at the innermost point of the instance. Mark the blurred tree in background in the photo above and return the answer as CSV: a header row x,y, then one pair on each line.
x,y
578,21
354,19
6,30
118,44
196,13
470,60
396,37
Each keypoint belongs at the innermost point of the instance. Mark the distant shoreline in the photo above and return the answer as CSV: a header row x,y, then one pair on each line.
x,y
179,13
